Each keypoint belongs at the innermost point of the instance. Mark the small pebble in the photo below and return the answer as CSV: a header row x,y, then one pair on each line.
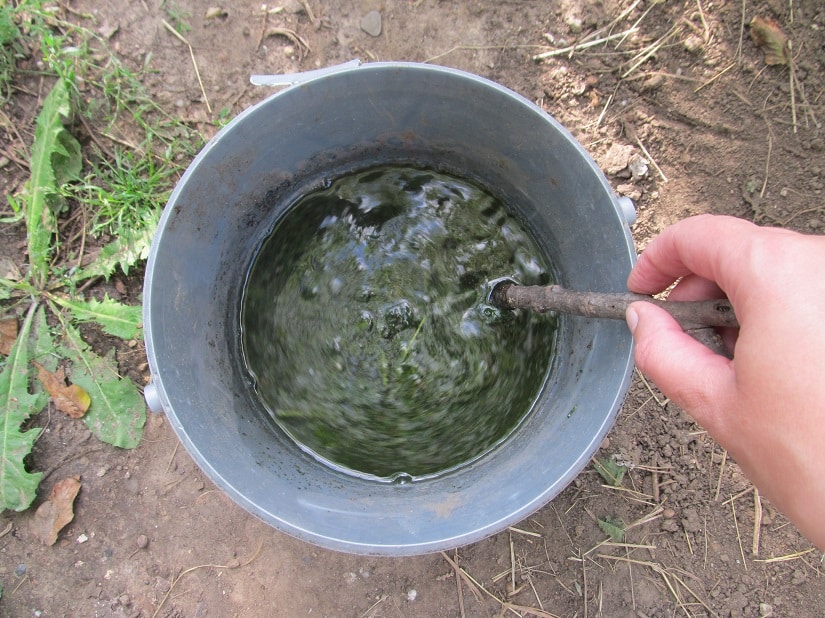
x,y
693,43
124,599
412,593
669,513
142,541
371,23
574,24
629,190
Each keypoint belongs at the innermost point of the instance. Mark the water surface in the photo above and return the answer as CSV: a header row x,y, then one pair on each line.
x,y
366,331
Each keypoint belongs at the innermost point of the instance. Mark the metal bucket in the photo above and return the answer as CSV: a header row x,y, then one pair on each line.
x,y
245,179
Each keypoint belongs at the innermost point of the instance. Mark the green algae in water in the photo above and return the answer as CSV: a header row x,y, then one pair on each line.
x,y
365,327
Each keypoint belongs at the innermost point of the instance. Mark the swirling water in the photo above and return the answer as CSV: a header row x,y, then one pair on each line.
x,y
365,327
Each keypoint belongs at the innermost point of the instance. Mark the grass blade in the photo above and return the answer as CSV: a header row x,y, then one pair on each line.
x,y
18,487
118,412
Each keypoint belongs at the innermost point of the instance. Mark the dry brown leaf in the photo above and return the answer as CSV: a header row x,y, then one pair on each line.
x,y
57,511
70,399
8,334
769,37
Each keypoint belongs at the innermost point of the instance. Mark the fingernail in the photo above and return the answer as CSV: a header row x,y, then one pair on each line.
x,y
632,318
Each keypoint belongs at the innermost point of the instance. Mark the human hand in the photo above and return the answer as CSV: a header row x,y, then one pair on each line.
x,y
766,406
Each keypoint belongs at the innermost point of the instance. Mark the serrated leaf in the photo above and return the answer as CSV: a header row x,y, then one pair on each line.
x,y
41,344
18,486
115,318
117,413
55,157
127,250
41,349
613,528
610,471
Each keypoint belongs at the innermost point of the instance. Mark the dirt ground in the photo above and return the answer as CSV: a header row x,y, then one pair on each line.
x,y
153,537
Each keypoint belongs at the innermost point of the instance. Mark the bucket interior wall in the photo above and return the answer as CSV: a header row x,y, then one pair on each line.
x,y
227,203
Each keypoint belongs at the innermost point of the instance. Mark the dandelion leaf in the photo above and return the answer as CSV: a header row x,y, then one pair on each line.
x,y
115,318
130,247
610,471
18,486
55,157
117,412
613,528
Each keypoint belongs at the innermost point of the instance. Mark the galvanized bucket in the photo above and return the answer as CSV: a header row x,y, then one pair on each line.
x,y
324,125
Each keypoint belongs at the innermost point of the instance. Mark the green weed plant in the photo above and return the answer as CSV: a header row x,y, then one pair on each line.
x,y
119,184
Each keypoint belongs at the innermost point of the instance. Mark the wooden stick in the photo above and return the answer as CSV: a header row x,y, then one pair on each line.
x,y
610,305
697,318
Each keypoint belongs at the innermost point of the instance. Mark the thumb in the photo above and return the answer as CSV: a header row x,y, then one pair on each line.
x,y
695,378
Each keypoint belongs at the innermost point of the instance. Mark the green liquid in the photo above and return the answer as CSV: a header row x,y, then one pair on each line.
x,y
365,327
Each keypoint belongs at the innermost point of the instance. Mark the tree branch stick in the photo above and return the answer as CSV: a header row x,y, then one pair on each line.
x,y
696,318
610,305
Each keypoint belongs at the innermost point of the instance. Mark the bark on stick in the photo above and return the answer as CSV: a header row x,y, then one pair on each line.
x,y
691,315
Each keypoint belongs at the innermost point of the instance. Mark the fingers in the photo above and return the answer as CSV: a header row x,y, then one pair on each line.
x,y
694,287
707,245
696,379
